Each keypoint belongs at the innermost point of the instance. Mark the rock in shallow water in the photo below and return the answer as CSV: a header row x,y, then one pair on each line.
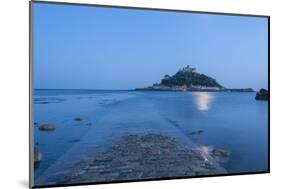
x,y
262,95
220,154
47,127
199,132
37,157
78,119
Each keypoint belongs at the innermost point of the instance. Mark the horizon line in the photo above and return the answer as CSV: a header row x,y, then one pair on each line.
x,y
81,89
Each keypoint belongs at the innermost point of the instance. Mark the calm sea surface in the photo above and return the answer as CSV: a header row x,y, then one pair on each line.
x,y
230,120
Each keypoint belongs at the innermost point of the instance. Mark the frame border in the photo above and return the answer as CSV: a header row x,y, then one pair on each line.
x,y
31,90
31,100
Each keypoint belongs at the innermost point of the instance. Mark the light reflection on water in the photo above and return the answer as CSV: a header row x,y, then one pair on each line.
x,y
203,100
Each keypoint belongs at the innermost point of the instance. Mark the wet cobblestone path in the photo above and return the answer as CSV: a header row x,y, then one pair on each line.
x,y
143,157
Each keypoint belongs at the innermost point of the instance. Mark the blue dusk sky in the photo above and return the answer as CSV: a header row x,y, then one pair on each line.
x,y
79,47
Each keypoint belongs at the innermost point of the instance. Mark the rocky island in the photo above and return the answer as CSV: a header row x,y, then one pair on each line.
x,y
262,95
187,79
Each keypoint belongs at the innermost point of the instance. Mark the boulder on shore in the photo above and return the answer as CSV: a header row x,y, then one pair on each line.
x,y
262,95
46,127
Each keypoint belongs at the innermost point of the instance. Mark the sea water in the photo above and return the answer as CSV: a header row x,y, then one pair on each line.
x,y
229,120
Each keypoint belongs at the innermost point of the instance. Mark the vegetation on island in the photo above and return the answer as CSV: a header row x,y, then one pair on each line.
x,y
189,77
